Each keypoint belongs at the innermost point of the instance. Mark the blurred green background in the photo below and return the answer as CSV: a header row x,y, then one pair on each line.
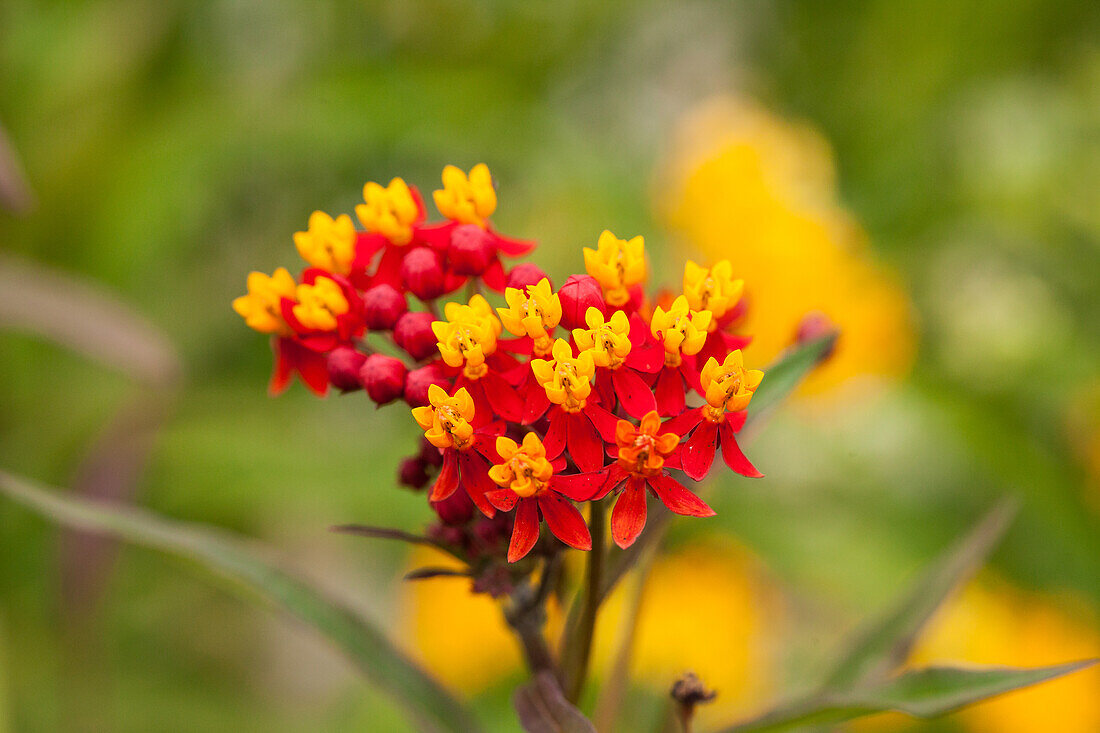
x,y
173,146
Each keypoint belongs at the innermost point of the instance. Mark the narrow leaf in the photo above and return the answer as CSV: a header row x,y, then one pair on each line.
x,y
784,375
426,573
542,708
381,663
385,533
923,693
885,643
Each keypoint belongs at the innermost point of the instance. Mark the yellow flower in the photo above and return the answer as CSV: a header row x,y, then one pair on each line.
x,y
566,379
533,312
729,385
680,329
469,200
617,264
746,185
607,341
389,211
468,335
712,289
525,469
260,307
319,304
446,420
329,243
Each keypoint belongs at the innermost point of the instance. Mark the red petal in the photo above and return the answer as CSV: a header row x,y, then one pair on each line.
x,y
280,375
690,370
585,444
616,474
556,434
494,276
731,453
525,530
628,516
389,267
579,486
634,394
670,392
604,388
513,247
436,236
678,499
503,399
646,354
503,499
565,521
736,420
603,421
447,481
536,404
697,454
683,423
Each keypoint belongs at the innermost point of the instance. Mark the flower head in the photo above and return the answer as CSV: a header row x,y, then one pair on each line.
x,y
329,243
680,329
524,468
617,264
729,385
607,340
533,311
712,289
466,199
260,307
643,449
320,304
390,211
566,379
446,420
468,335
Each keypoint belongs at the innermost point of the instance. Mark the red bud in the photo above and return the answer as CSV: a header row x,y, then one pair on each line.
x,y
472,250
413,333
382,306
527,273
383,377
418,380
422,273
413,473
814,325
455,509
343,364
577,295
430,454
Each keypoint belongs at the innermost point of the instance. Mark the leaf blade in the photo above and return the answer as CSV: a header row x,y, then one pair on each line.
x,y
786,373
368,648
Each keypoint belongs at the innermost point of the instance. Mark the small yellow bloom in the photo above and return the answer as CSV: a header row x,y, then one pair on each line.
x,y
680,329
729,385
617,265
446,421
566,379
534,312
260,308
469,200
712,289
607,341
329,243
468,335
320,304
525,469
389,211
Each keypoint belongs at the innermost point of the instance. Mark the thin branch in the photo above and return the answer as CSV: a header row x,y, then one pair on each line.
x,y
577,654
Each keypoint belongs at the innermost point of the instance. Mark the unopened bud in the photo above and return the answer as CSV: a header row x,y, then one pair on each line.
x,y
343,364
383,377
413,333
413,472
382,306
815,325
456,509
422,273
472,250
577,295
524,274
417,382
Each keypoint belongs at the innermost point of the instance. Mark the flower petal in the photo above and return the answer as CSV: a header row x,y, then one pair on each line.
x,y
634,394
677,498
525,530
447,481
503,499
697,453
670,392
579,486
731,453
629,515
503,399
585,444
556,433
565,521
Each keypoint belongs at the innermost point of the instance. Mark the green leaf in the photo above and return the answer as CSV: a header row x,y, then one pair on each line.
x,y
923,693
785,374
383,664
884,644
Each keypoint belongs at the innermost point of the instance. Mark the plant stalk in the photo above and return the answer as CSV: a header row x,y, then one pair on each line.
x,y
575,666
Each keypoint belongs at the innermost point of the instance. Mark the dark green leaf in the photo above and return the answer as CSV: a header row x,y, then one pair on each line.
x,y
885,644
923,693
783,376
382,663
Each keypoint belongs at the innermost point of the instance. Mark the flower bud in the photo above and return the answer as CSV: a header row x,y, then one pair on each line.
x,y
413,333
430,454
472,250
417,382
382,306
422,273
413,473
813,326
524,274
455,509
383,377
577,295
344,363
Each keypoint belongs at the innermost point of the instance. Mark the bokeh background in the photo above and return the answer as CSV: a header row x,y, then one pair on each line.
x,y
926,175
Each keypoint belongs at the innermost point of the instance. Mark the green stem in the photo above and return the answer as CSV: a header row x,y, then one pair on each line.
x,y
580,646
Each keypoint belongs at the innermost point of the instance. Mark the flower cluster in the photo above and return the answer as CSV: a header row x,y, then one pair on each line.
x,y
530,408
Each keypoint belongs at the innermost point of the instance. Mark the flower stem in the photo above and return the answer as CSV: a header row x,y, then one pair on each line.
x,y
578,651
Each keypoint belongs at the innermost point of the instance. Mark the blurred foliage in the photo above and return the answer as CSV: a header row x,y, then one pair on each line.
x,y
173,146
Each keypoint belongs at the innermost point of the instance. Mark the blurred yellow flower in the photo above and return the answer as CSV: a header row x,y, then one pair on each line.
x,y
747,186
994,623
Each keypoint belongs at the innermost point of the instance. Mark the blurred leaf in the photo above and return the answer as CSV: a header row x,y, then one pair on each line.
x,y
15,192
542,708
922,693
783,376
382,663
385,533
885,644
429,572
